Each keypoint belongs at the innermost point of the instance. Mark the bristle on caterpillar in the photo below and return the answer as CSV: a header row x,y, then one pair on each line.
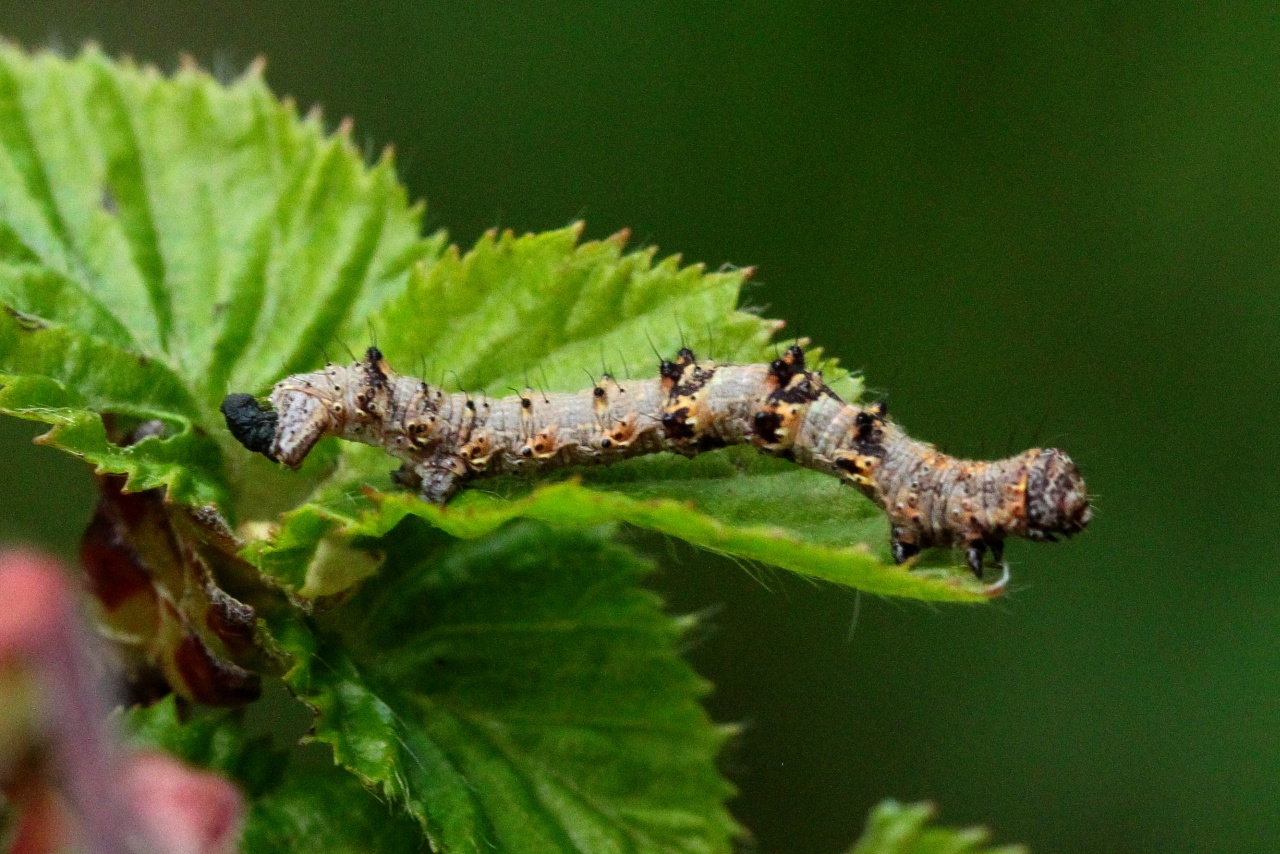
x,y
445,440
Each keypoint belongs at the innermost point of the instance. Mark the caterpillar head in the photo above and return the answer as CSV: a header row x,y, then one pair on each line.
x,y
253,426
1057,500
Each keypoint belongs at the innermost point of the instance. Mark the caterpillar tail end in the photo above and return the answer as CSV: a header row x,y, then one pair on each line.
x,y
251,424
1057,499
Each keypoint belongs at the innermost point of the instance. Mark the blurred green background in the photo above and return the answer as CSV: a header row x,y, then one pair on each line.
x,y
1034,223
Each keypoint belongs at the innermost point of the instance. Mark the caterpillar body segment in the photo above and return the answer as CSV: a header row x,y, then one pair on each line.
x,y
445,440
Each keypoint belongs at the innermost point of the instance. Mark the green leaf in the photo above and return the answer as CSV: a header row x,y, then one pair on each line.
x,y
549,311
894,828
163,240
517,693
763,513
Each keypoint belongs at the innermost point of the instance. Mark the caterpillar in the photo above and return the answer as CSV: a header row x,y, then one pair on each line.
x,y
445,440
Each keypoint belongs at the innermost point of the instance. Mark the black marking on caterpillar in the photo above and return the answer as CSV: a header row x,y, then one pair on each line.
x,y
782,408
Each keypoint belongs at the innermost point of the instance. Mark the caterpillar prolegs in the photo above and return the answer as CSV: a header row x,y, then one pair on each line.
x,y
783,409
